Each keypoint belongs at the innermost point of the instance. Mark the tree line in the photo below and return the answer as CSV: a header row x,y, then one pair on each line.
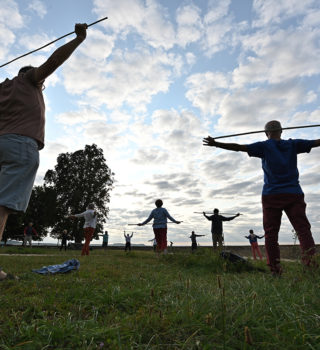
x,y
78,178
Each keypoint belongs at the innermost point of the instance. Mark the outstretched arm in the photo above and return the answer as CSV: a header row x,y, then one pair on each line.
x,y
230,218
316,143
38,75
146,221
209,141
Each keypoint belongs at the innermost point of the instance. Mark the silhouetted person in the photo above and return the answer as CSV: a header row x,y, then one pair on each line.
x,y
281,190
22,125
28,232
105,240
128,241
159,216
253,239
193,238
217,226
64,238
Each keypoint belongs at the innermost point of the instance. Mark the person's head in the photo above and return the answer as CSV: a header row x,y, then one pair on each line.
x,y
127,234
90,206
25,69
192,232
273,130
216,211
158,203
30,224
105,232
251,232
64,231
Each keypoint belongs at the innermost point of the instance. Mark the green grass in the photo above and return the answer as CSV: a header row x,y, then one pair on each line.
x,y
142,301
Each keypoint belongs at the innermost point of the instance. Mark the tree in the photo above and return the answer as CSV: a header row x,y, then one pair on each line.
x,y
40,211
79,178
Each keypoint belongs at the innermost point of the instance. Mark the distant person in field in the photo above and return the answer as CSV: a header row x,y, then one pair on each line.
x,y
217,226
154,244
64,238
253,239
127,237
105,240
160,216
28,232
90,222
281,190
22,125
194,244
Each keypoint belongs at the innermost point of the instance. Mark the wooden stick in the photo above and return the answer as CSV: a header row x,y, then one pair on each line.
x,y
42,47
211,212
170,222
260,131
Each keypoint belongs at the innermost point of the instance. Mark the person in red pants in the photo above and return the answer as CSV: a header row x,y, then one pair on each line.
x,y
89,226
281,190
159,216
253,239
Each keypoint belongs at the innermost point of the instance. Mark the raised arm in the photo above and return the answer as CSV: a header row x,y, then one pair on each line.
x,y
209,141
206,216
59,56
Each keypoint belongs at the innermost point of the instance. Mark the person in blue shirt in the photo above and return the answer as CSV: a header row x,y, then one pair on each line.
x,y
253,239
281,190
159,216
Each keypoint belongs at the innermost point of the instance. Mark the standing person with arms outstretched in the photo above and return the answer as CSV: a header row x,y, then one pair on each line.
x,y
127,237
193,238
90,222
281,190
217,226
22,122
253,239
159,216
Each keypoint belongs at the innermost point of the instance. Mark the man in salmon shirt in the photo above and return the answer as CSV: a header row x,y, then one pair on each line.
x,y
22,124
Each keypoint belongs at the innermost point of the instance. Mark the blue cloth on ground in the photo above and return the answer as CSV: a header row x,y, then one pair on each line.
x,y
72,264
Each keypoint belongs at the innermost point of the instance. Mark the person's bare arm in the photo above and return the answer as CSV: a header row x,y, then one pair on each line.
x,y
316,143
209,141
39,74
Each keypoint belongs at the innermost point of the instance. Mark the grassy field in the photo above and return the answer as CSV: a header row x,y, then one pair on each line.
x,y
142,301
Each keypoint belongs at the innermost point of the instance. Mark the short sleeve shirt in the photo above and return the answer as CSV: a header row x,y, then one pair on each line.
x,y
22,109
279,163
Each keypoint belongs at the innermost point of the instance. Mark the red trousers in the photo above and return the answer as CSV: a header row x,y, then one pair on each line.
x,y
254,249
295,208
161,238
88,233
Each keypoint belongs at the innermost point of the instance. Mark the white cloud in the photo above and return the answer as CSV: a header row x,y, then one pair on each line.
x,y
148,19
283,55
275,11
81,116
190,27
206,90
38,7
130,78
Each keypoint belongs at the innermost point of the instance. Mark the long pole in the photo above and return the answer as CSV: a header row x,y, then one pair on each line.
x,y
260,131
211,212
42,47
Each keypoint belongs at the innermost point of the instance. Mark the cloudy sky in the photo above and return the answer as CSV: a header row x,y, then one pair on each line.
x,y
155,78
